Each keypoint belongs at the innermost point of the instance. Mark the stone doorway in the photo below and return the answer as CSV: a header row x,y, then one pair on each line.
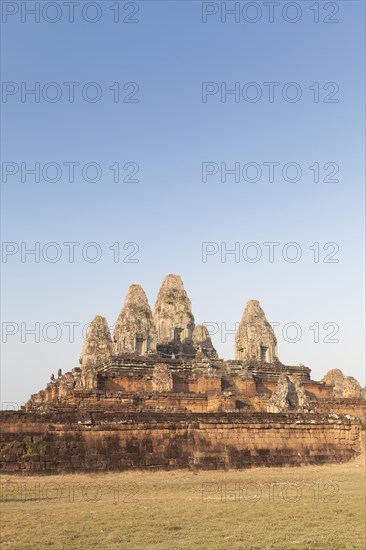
x,y
264,354
139,345
178,335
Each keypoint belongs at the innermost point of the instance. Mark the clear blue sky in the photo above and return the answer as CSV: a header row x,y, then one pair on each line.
x,y
170,211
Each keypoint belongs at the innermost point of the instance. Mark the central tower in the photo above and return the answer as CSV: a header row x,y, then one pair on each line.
x,y
173,318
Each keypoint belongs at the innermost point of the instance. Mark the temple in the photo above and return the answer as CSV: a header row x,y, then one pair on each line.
x,y
160,360
156,395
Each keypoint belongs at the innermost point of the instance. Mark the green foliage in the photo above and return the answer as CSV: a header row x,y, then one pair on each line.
x,y
170,298
42,449
28,449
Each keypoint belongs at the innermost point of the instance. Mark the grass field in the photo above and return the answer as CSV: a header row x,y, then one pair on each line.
x,y
315,507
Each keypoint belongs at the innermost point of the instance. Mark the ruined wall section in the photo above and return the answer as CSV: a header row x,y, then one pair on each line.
x,y
74,442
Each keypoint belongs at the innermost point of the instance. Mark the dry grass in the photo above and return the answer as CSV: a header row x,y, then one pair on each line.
x,y
252,509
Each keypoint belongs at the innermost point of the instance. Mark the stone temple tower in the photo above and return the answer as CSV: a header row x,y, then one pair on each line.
x,y
202,341
98,345
255,339
173,318
134,330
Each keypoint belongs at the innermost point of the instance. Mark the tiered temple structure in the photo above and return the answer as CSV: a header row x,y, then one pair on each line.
x,y
166,344
161,363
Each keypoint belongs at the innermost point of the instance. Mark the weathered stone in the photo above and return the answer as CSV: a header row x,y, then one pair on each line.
x,y
66,384
98,343
202,341
244,374
173,318
90,378
302,400
342,386
335,378
288,395
255,339
278,401
351,387
134,331
125,410
74,441
162,379
87,379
